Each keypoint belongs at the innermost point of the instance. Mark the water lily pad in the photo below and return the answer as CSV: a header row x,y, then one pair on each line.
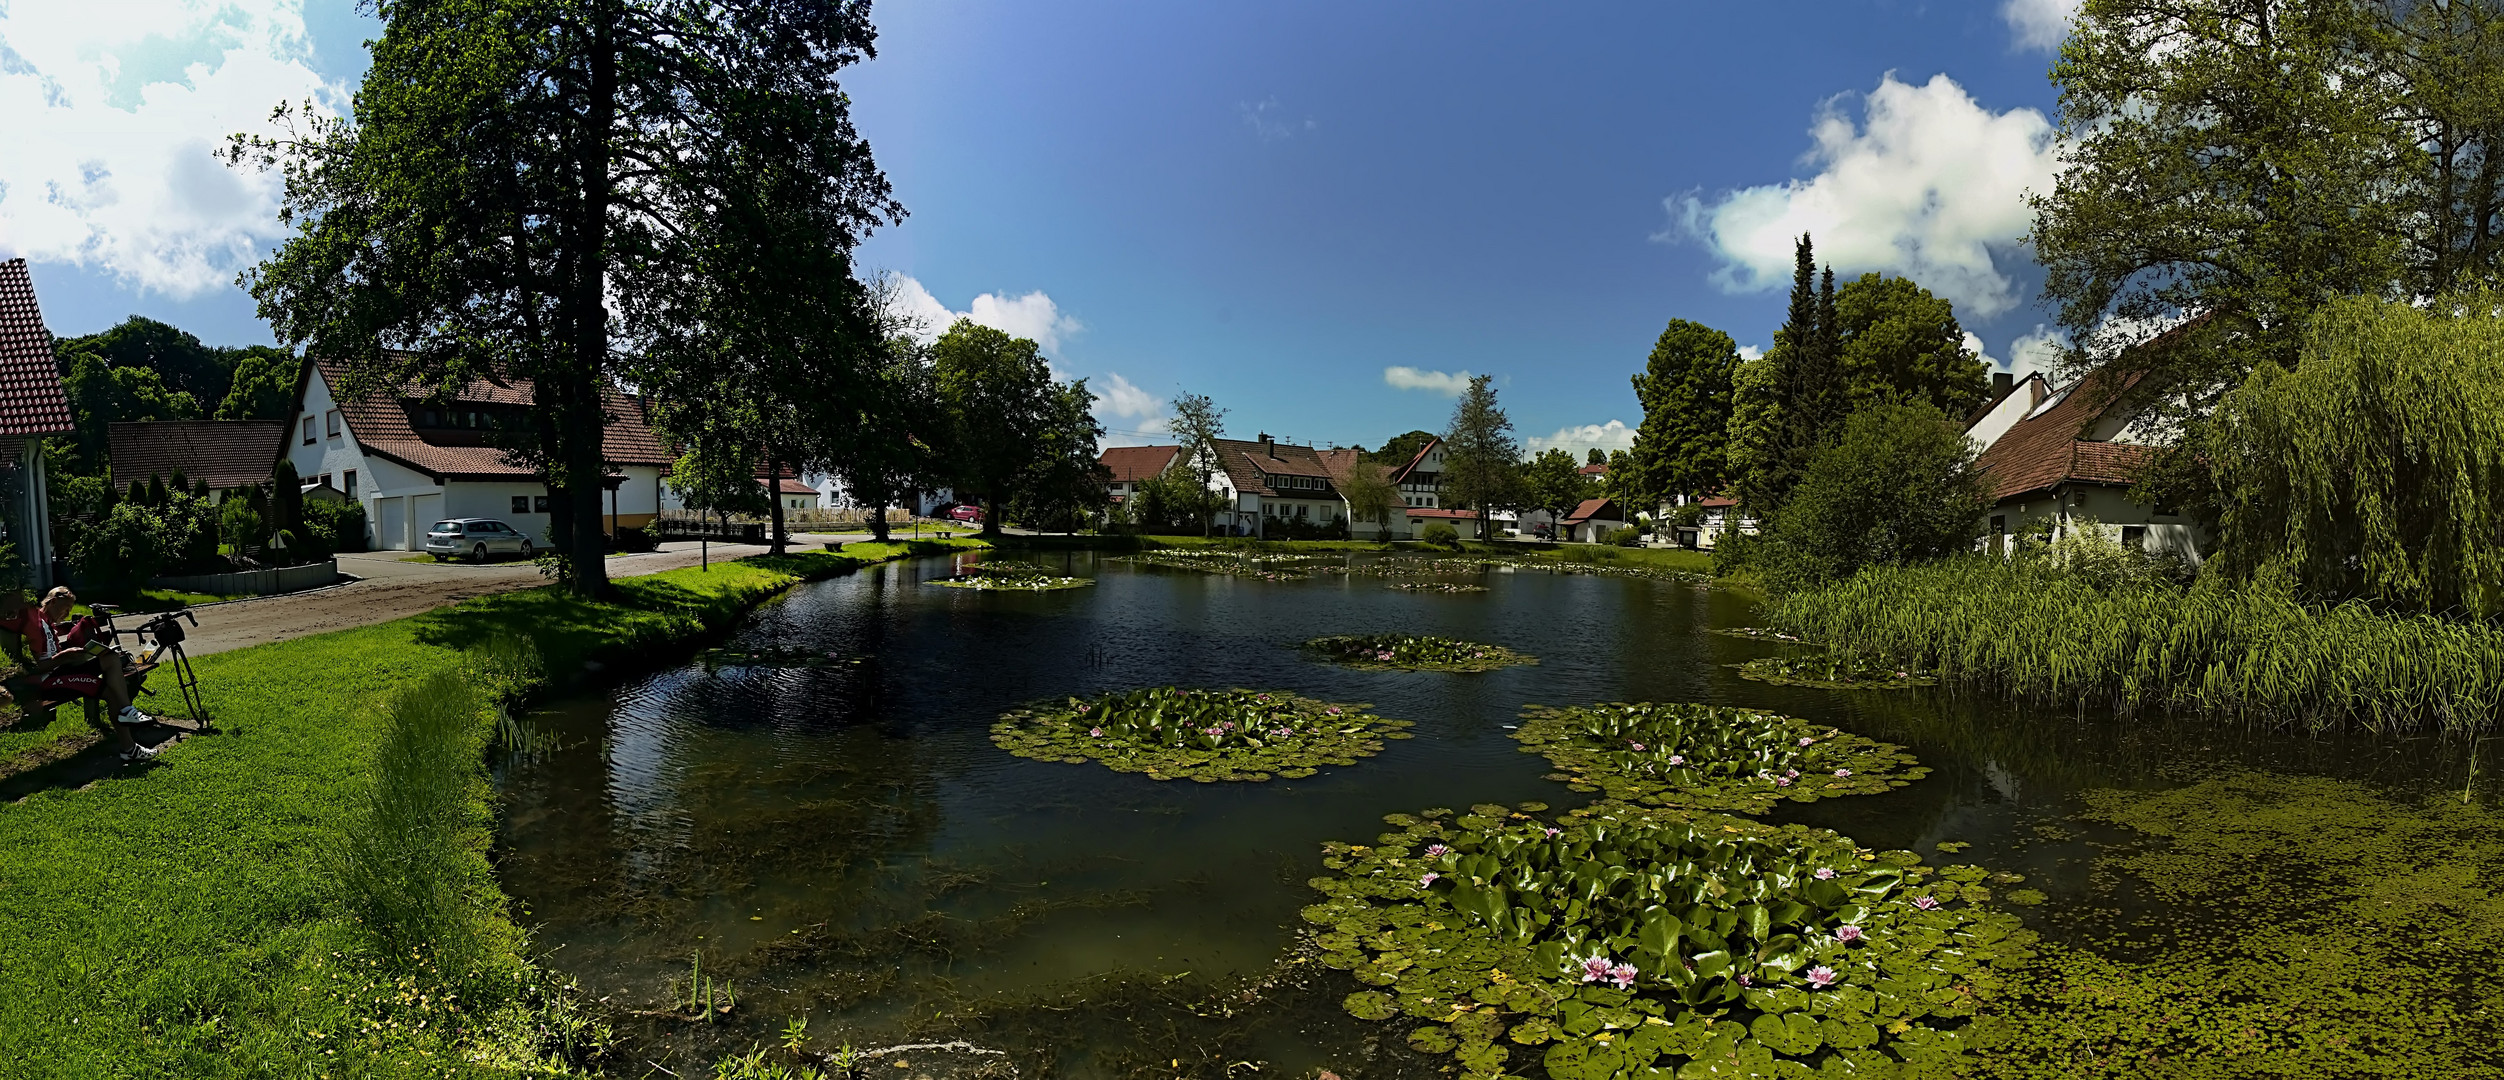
x,y
1833,673
1407,652
1170,732
1624,938
1010,576
1709,756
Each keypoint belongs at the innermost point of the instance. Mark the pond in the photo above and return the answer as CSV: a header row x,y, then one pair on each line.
x,y
841,841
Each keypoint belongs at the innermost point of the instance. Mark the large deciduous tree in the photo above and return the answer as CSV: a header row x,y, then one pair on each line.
x,y
1197,425
553,189
1066,483
1481,459
1897,486
1685,389
998,393
1897,342
1553,481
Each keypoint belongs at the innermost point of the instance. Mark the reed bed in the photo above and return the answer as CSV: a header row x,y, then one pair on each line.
x,y
2037,633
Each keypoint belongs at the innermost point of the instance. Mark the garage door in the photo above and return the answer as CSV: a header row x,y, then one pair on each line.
x,y
424,511
391,524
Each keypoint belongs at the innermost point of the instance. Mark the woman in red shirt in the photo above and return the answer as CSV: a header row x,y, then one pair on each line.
x,y
64,659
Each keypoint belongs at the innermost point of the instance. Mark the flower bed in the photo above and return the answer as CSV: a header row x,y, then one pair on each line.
x,y
1831,673
1170,733
1410,653
1623,939
1016,576
1709,756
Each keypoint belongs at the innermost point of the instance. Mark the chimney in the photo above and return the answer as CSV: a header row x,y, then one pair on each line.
x,y
1269,446
2002,384
2037,390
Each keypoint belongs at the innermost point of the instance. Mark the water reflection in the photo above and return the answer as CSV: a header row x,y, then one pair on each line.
x,y
845,842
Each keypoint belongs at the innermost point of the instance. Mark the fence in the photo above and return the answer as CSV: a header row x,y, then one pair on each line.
x,y
255,582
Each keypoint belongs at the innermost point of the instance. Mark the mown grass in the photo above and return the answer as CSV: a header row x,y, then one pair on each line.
x,y
203,917
2037,633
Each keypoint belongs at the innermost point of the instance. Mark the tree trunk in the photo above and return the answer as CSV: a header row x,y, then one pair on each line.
x,y
582,412
774,519
878,520
990,517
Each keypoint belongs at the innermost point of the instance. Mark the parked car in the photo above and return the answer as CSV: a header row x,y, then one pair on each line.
x,y
476,538
965,512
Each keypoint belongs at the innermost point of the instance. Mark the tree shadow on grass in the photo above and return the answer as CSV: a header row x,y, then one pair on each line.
x,y
75,760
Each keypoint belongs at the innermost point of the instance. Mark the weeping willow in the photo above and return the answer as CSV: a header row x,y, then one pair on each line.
x,y
2375,469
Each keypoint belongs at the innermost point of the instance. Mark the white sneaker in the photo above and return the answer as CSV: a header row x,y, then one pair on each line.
x,y
139,752
130,714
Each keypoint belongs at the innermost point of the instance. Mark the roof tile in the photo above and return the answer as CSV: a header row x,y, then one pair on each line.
x,y
222,453
31,400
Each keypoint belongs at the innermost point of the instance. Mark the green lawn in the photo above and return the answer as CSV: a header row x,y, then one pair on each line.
x,y
187,918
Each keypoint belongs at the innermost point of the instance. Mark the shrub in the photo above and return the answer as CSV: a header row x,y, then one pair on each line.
x,y
120,552
1623,537
1440,535
1899,486
333,527
240,527
631,539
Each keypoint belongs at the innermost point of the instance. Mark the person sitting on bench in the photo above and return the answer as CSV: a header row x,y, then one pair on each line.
x,y
65,660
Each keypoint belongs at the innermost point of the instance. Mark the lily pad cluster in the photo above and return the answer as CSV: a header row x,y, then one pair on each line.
x,y
1171,732
1832,673
1266,566
1435,586
1617,940
1709,756
1011,576
1410,652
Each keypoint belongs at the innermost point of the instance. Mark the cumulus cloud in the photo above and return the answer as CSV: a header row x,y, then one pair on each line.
x,y
1447,383
110,121
2039,24
2038,351
1927,184
1614,435
1033,315
1750,352
1131,416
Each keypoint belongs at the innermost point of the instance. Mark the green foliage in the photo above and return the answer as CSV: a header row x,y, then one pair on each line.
x,y
410,868
1686,389
1175,500
1901,344
1011,576
998,392
2258,161
239,528
1409,652
1829,672
1481,459
1899,486
1439,535
1401,448
263,386
133,542
1709,757
333,527
1623,536
1755,446
1065,483
102,395
1553,481
1171,732
2027,629
2376,468
1629,940
1371,498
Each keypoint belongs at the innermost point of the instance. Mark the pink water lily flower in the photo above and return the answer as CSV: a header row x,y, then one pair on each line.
x,y
1847,933
1637,746
1925,903
1437,851
1095,732
1677,760
1805,740
1429,880
1792,773
1782,781
1746,981
1623,975
1334,710
1821,977
1082,708
1840,773
1825,873
1596,967
1554,832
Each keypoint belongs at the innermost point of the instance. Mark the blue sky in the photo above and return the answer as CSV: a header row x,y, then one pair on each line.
x,y
1319,214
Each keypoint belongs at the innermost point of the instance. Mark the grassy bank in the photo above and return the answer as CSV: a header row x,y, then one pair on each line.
x,y
205,916
2036,633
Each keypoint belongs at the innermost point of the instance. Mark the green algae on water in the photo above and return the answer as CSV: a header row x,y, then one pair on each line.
x,y
1171,732
1619,941
1709,756
1416,652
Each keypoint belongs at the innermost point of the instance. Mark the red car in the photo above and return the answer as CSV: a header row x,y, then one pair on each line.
x,y
965,512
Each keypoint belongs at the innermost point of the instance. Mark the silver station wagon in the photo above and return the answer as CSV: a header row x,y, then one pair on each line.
x,y
475,538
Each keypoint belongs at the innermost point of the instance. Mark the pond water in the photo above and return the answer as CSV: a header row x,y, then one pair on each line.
x,y
844,843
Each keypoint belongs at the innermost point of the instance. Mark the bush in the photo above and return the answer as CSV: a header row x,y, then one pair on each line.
x,y
1623,537
333,527
1440,535
240,527
1898,487
119,553
636,540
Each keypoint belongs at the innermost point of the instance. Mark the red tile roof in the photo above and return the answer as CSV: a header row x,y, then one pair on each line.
x,y
1437,512
1131,464
31,401
1401,474
1344,463
789,486
381,425
2044,450
223,453
1595,470
1594,508
1248,462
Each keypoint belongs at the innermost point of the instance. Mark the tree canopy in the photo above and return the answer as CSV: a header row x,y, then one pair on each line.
x,y
1553,481
1480,456
1897,342
997,391
1401,448
1898,485
1685,388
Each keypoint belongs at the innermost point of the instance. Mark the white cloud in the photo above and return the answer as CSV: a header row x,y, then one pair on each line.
x,y
1265,120
2038,351
1750,352
2039,24
1131,416
1447,383
1033,315
1614,435
109,121
1926,185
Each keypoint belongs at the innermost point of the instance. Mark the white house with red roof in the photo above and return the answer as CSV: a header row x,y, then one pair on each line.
x,y
2070,455
1126,467
414,459
32,407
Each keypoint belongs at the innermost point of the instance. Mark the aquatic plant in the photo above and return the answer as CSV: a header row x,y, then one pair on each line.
x,y
1435,587
1013,576
1172,732
1832,672
1237,562
1625,939
2035,633
1708,756
1415,652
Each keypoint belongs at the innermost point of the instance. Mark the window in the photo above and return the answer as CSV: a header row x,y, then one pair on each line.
x,y
538,504
308,431
428,418
347,483
2134,536
334,423
521,504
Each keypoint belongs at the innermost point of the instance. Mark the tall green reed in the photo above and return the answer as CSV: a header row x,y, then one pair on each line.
x,y
411,868
2037,633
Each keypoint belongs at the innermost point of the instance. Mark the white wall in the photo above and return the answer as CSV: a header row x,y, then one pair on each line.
x,y
2005,415
2109,507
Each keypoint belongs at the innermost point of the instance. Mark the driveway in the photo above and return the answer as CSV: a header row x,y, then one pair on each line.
x,y
391,586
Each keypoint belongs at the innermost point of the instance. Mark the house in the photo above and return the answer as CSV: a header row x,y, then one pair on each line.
x,y
1716,516
1128,465
2074,454
32,407
224,454
1264,481
795,494
1420,480
1591,522
2010,402
413,458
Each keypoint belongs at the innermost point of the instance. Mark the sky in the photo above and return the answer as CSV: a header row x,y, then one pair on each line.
x,y
1325,216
